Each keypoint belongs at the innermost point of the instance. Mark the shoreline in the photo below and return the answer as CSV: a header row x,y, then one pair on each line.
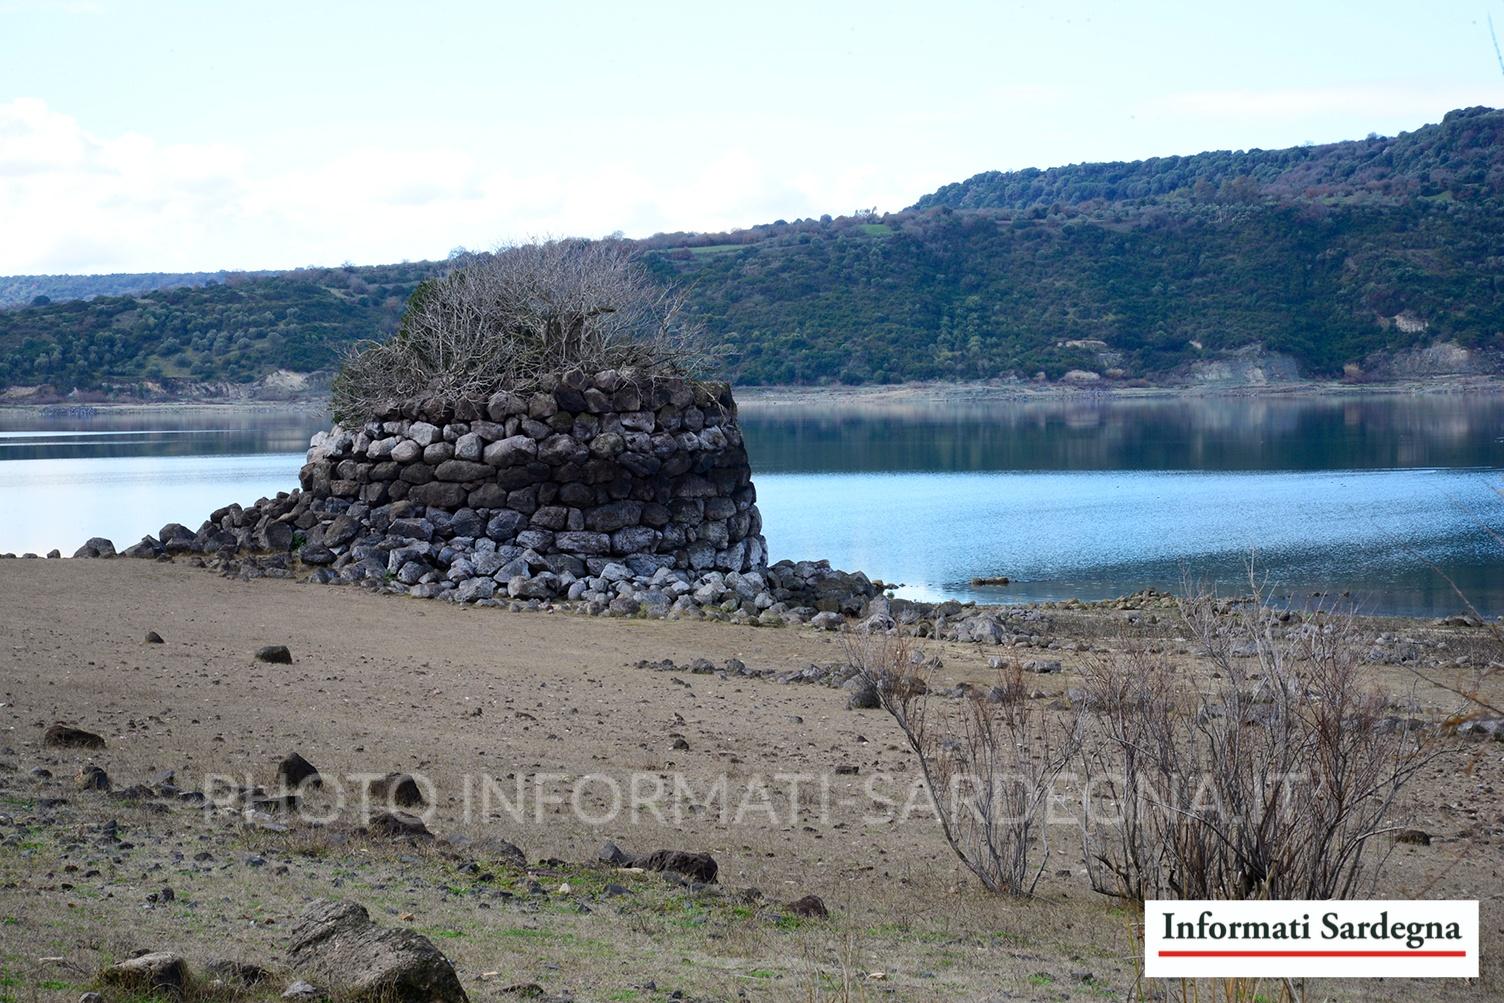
x,y
905,393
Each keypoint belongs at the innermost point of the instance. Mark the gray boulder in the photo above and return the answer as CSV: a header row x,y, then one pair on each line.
x,y
365,963
160,973
511,451
826,621
96,546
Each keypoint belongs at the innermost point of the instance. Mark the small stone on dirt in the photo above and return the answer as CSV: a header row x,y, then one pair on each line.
x,y
92,778
810,907
399,825
303,992
277,654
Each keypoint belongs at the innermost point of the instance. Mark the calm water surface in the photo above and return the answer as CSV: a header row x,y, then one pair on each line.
x,y
1093,499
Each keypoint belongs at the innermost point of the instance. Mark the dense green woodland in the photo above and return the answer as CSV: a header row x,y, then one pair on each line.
x,y
1310,251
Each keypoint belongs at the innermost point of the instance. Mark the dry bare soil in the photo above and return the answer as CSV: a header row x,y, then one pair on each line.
x,y
451,693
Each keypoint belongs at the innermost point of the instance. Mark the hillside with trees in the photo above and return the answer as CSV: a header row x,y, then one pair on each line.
x,y
1337,256
236,331
1460,158
40,290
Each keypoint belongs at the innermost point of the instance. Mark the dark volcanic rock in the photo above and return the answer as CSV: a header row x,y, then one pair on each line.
x,y
237,973
274,653
62,736
612,854
699,866
294,771
809,907
365,963
398,789
96,546
92,778
399,825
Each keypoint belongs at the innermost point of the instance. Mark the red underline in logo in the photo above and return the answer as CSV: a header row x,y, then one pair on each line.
x,y
1313,954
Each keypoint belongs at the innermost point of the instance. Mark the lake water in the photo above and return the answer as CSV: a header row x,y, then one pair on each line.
x,y
1376,496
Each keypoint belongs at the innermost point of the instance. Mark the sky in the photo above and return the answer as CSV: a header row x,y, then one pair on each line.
x,y
164,136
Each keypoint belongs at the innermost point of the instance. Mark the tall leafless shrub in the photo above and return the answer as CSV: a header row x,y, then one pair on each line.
x,y
989,760
504,320
1275,779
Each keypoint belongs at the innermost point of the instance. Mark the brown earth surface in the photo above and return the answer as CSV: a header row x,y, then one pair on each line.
x,y
457,696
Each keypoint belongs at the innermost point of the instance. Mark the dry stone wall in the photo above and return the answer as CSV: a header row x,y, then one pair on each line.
x,y
592,471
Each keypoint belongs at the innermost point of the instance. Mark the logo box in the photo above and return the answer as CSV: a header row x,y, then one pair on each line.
x,y
1361,938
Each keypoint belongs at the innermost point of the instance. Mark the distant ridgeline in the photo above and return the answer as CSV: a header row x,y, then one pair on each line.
x,y
1351,258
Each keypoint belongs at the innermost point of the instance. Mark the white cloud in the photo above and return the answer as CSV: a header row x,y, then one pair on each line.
x,y
74,201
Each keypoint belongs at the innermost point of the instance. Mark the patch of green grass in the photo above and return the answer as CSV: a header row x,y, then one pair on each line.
x,y
877,229
624,994
55,985
762,973
525,933
715,249
1041,979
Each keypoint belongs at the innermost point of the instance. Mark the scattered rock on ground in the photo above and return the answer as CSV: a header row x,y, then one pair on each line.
x,y
810,907
237,973
612,854
699,866
364,962
294,771
62,736
157,973
152,637
863,695
274,653
96,546
399,825
92,778
1483,728
398,789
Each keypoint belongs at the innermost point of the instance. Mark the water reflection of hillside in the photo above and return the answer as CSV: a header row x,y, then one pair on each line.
x,y
192,432
1333,433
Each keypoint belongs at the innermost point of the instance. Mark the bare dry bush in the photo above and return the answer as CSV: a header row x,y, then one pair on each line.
x,y
989,759
1274,780
504,320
